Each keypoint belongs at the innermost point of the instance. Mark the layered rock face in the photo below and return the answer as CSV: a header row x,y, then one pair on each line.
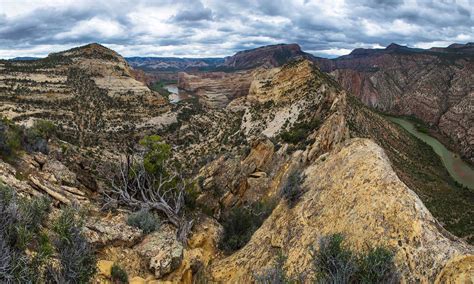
x,y
361,176
364,199
432,85
216,89
266,56
89,91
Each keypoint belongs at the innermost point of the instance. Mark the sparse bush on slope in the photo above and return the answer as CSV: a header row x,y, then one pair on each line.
x,y
118,275
334,263
241,222
292,191
152,180
29,253
78,263
277,274
14,138
145,220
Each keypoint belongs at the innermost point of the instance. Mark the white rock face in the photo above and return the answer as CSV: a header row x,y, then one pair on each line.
x,y
163,250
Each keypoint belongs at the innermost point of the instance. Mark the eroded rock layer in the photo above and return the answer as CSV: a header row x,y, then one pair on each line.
x,y
363,198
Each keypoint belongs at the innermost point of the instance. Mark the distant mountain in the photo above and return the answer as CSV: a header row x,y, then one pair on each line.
x,y
434,85
173,63
88,91
269,56
25,58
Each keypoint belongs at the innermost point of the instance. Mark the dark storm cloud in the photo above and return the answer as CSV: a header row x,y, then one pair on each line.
x,y
216,27
194,13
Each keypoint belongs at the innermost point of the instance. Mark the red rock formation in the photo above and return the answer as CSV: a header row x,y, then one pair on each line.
x,y
433,85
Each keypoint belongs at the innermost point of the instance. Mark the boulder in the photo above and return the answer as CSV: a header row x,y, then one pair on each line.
x,y
60,172
112,231
163,251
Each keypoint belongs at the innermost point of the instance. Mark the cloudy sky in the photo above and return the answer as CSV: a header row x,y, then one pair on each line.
x,y
214,28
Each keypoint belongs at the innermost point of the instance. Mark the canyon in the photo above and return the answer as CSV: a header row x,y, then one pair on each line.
x,y
289,142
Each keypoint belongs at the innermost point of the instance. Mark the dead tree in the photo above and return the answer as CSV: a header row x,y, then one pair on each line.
x,y
136,188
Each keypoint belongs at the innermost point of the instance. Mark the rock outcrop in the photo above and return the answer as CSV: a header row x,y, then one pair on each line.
x,y
266,56
432,85
216,89
163,251
112,231
89,91
364,199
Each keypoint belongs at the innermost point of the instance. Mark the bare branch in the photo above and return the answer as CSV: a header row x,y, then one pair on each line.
x,y
134,187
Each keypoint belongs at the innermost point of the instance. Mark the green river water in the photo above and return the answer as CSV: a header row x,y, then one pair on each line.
x,y
461,171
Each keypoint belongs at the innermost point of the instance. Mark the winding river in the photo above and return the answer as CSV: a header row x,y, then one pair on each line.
x,y
175,94
461,171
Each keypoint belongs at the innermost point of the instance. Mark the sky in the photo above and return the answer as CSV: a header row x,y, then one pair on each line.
x,y
216,28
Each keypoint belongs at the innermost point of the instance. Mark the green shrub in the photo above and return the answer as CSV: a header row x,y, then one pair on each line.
x,y
157,153
77,258
10,139
292,190
145,220
300,131
377,267
43,128
19,232
34,211
241,222
334,263
118,274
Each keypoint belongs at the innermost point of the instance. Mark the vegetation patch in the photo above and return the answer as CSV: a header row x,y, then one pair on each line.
x,y
118,275
335,263
29,253
14,138
292,190
300,131
241,222
145,220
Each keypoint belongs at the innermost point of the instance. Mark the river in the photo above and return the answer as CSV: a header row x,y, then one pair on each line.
x,y
461,171
176,94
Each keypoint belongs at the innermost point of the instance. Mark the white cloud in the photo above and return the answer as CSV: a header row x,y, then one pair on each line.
x,y
216,27
102,27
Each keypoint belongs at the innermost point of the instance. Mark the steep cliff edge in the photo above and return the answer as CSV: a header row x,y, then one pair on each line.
x,y
433,85
355,173
363,198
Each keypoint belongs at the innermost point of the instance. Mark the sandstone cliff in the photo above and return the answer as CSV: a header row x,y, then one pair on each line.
x,y
363,198
432,85
361,175
89,91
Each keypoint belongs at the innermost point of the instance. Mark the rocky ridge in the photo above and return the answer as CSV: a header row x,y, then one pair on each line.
x,y
385,188
282,99
371,209
89,91
432,85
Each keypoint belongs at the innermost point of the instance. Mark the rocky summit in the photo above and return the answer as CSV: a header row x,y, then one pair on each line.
x,y
88,91
281,169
